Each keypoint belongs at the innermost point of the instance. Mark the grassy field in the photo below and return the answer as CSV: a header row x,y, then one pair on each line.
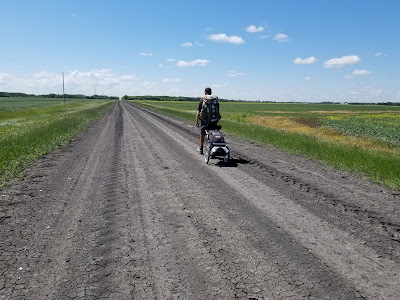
x,y
32,127
360,138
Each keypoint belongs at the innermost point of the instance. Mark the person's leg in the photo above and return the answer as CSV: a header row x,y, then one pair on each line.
x,y
202,135
201,141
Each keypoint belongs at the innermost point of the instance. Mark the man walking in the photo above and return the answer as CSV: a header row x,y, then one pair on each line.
x,y
208,113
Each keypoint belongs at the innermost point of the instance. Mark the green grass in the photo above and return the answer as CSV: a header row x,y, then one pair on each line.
x,y
33,127
380,166
18,103
385,128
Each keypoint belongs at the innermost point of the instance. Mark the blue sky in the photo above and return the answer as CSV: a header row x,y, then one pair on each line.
x,y
268,50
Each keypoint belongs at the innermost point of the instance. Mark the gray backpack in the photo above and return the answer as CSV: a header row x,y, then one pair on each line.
x,y
210,110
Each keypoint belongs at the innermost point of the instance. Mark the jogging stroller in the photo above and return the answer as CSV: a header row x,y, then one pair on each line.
x,y
216,145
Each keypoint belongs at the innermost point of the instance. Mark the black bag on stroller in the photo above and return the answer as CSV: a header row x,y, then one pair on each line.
x,y
215,138
216,145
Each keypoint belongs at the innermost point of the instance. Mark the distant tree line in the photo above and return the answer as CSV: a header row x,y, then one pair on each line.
x,y
70,96
5,94
389,103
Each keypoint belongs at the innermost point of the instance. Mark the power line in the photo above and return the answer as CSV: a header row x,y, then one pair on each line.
x,y
63,88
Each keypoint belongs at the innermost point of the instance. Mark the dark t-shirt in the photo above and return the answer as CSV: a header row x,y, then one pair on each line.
x,y
200,104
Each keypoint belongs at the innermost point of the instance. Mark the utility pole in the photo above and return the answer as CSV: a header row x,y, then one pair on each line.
x,y
63,88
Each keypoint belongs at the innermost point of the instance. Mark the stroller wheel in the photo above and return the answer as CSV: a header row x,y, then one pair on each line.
x,y
226,157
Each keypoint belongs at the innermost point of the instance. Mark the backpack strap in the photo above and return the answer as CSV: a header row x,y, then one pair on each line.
x,y
208,97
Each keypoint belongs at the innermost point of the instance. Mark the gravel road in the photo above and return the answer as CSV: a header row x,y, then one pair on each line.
x,y
130,211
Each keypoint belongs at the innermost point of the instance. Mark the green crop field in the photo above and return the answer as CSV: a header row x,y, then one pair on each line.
x,y
32,127
360,138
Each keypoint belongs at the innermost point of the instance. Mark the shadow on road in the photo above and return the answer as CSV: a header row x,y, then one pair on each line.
x,y
233,163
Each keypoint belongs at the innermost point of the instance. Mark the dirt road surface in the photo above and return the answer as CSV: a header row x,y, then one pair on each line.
x,y
130,211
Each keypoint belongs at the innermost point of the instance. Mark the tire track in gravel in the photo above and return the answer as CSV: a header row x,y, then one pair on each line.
x,y
101,247
167,249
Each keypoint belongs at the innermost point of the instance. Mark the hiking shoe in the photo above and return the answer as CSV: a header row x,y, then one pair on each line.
x,y
200,150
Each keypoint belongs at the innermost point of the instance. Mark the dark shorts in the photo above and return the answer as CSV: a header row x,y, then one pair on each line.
x,y
211,126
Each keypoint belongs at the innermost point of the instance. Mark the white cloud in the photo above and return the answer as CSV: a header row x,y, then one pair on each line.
x,y
378,53
305,61
51,75
129,77
197,62
174,91
149,84
161,66
348,77
219,86
342,61
101,75
166,80
189,44
145,54
376,92
170,59
223,38
262,37
281,37
253,28
360,72
371,92
9,83
307,78
4,77
235,74
368,92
